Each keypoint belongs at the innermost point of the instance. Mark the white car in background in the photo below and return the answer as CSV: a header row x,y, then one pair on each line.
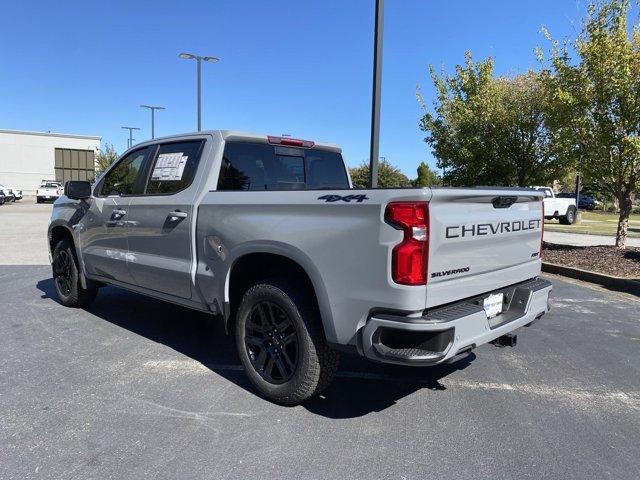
x,y
17,194
49,190
10,194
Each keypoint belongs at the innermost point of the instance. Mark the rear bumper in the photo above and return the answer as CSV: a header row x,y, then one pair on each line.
x,y
442,333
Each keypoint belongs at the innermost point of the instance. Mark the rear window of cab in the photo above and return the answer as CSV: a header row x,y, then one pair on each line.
x,y
260,166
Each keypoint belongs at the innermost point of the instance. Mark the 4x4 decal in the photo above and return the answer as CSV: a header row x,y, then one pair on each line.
x,y
347,198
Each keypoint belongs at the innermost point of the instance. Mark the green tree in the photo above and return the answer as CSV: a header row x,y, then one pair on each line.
x,y
105,157
490,130
389,176
426,177
597,103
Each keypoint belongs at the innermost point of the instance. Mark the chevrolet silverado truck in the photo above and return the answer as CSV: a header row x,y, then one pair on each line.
x,y
562,208
267,234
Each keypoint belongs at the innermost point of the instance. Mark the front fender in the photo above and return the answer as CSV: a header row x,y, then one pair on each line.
x,y
67,214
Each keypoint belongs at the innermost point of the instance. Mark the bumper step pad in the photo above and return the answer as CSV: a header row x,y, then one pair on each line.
x,y
411,354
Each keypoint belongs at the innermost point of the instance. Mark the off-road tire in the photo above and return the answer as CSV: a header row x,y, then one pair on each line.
x,y
570,216
66,277
316,362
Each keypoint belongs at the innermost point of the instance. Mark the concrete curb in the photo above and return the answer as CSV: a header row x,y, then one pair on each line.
x,y
596,234
626,285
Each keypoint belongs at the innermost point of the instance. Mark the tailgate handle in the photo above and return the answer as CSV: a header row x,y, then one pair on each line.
x,y
503,202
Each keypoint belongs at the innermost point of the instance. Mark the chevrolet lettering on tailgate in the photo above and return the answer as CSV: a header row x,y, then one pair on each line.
x,y
495,228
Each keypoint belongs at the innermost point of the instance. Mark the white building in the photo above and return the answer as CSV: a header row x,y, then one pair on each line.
x,y
26,158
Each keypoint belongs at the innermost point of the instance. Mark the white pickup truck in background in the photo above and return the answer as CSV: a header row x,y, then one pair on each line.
x,y
48,190
564,209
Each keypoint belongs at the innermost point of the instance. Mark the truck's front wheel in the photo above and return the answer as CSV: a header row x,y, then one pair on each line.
x,y
280,343
66,277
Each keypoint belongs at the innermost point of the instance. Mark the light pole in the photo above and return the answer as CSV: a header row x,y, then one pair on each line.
x,y
153,118
375,96
199,59
130,139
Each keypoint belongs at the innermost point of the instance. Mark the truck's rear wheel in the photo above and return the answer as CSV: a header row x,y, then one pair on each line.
x,y
280,343
570,217
66,277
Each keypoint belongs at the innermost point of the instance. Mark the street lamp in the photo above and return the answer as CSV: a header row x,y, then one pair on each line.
x,y
375,96
130,139
199,59
153,119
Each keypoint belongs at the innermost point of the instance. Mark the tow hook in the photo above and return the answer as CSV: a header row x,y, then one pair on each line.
x,y
508,340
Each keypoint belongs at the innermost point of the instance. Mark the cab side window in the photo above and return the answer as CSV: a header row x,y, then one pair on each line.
x,y
122,178
174,167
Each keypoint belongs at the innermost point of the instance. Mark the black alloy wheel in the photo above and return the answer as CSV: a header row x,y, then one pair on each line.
x,y
63,273
271,342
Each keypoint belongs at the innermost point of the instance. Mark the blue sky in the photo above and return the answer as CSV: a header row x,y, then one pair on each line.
x,y
298,67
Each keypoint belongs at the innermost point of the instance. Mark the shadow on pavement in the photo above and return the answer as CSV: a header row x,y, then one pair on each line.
x,y
360,387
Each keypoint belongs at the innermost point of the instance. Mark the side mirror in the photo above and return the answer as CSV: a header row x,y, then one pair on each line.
x,y
77,189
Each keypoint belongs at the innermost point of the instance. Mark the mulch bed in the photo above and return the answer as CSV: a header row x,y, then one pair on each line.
x,y
603,259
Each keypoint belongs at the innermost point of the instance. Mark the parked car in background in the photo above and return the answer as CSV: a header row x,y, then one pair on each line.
x,y
8,193
564,209
17,194
2,198
48,191
585,202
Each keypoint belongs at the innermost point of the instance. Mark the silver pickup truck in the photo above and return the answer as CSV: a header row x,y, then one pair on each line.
x,y
267,234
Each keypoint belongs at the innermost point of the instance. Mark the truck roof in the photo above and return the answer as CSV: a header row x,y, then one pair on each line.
x,y
239,135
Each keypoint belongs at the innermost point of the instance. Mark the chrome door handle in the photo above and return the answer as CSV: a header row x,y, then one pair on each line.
x,y
177,214
119,213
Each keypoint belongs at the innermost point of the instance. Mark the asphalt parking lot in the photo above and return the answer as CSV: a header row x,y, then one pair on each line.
x,y
135,388
23,232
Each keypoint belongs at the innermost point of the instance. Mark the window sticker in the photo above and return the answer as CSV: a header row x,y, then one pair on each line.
x,y
169,167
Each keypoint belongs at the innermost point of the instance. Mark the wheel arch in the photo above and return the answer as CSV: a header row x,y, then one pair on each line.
x,y
61,231
269,261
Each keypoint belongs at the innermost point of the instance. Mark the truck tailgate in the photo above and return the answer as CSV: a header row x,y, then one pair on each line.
x,y
481,240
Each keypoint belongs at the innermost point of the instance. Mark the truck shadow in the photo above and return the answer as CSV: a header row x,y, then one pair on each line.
x,y
360,386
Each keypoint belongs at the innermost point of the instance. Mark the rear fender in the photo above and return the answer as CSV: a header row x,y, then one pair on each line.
x,y
296,255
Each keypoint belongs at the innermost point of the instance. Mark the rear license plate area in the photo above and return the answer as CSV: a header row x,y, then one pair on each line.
x,y
493,304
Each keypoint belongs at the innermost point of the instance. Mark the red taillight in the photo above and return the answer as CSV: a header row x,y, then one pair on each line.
x,y
294,142
410,258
